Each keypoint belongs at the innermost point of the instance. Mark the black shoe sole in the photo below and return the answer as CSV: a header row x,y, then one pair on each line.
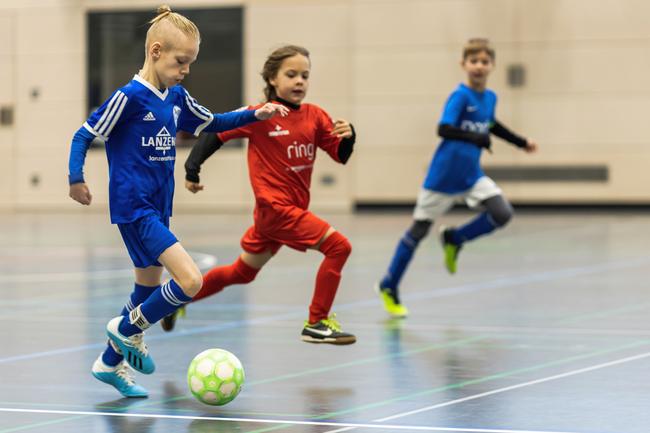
x,y
168,322
342,341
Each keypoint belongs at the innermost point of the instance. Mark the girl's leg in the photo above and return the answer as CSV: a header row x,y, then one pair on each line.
x,y
336,249
241,271
321,327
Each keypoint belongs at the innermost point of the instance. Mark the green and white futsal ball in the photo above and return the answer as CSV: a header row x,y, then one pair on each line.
x,y
215,377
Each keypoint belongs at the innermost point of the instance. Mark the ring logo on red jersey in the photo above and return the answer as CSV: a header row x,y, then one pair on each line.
x,y
296,150
278,131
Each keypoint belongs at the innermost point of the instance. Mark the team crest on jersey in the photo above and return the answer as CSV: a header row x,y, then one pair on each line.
x,y
177,113
162,141
278,131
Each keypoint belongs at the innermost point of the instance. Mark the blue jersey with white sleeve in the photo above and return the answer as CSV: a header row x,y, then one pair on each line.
x,y
138,124
456,164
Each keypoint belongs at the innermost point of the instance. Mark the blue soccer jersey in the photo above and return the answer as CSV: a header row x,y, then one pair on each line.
x,y
138,124
456,164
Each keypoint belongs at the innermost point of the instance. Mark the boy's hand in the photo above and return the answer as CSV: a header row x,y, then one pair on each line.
x,y
193,187
269,110
80,192
531,146
342,129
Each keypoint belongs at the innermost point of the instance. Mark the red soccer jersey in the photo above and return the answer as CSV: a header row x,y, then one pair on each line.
x,y
282,151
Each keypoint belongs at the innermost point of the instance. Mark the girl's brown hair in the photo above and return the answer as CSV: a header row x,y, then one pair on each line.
x,y
477,45
274,63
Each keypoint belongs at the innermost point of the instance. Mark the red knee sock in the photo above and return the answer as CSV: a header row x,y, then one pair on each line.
x,y
223,276
336,249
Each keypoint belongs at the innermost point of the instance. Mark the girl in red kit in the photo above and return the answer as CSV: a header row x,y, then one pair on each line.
x,y
281,156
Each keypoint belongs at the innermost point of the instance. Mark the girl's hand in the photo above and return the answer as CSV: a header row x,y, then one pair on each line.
x,y
80,192
269,110
342,129
531,146
193,187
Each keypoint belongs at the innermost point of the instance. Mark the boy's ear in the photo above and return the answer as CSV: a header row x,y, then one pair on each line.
x,y
155,50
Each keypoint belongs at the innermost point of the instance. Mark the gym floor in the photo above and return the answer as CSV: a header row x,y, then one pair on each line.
x,y
544,329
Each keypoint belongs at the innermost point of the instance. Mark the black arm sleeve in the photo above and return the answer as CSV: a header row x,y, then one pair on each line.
x,y
452,133
207,144
346,147
504,133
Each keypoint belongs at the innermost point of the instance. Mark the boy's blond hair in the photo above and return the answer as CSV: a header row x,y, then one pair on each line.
x,y
166,17
477,45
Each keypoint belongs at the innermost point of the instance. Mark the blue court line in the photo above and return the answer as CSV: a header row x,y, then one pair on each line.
x,y
498,283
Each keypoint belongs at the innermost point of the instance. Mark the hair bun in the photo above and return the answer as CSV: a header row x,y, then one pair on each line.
x,y
164,9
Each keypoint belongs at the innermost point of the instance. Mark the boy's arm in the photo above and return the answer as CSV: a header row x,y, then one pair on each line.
x,y
501,131
234,119
504,133
451,132
80,143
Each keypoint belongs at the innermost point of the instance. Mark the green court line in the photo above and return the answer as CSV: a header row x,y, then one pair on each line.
x,y
465,383
400,354
461,342
455,343
625,309
42,424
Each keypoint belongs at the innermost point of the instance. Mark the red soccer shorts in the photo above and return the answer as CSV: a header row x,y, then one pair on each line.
x,y
283,225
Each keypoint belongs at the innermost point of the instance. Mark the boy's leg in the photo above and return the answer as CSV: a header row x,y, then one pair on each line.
x,y
388,287
144,286
498,212
186,282
110,367
429,206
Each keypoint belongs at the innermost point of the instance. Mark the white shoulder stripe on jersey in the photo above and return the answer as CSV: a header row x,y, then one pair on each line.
x,y
207,117
109,109
116,117
196,105
199,129
93,132
111,119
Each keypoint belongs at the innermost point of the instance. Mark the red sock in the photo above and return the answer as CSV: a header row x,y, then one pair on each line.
x,y
336,249
223,276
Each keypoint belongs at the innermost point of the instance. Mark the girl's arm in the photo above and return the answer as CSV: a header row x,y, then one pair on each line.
x,y
206,145
348,135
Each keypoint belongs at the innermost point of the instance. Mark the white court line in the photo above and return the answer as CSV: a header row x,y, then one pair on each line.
x,y
505,389
275,421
